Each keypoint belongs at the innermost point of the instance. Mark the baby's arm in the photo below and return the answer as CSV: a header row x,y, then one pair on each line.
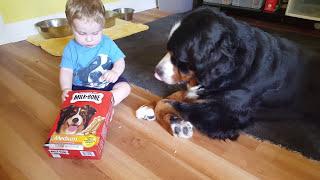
x,y
113,74
66,76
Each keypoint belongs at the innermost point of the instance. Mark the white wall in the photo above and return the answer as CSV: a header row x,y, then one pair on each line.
x,y
175,6
19,31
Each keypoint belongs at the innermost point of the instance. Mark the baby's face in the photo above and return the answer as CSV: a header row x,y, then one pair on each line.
x,y
87,33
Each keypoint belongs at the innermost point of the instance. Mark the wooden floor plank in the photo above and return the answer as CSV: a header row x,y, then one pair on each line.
x,y
122,166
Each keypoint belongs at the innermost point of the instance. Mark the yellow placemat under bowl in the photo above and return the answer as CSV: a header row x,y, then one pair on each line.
x,y
55,46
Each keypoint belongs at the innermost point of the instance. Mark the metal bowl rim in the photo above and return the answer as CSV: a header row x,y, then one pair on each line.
x,y
123,10
111,14
39,24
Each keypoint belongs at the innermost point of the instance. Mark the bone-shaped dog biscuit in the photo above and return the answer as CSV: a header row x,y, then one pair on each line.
x,y
93,126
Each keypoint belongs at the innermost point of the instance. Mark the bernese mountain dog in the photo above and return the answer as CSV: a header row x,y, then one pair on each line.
x,y
73,119
235,74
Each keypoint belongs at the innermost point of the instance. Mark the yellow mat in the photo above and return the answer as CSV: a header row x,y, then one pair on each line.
x,y
55,46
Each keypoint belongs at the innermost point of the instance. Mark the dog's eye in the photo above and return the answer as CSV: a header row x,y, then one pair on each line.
x,y
173,60
183,67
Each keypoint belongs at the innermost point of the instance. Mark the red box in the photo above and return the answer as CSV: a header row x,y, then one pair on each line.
x,y
81,126
271,6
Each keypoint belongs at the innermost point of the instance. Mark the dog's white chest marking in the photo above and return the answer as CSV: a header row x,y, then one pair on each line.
x,y
192,92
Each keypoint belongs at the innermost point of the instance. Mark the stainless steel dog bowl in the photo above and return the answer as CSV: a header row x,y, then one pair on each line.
x,y
125,13
110,18
54,28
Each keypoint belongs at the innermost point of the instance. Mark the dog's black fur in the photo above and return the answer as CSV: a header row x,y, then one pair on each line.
x,y
244,72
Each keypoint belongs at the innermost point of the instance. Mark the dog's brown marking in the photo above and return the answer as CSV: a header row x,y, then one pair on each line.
x,y
164,111
192,81
181,77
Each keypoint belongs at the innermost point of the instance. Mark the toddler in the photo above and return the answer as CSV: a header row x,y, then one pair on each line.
x,y
91,60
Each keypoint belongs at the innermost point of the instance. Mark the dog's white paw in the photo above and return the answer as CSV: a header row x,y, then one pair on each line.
x,y
146,113
182,129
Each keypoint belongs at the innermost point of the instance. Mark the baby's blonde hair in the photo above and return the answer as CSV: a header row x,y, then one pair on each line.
x,y
85,10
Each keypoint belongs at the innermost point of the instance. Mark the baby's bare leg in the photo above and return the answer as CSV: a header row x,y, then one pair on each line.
x,y
120,91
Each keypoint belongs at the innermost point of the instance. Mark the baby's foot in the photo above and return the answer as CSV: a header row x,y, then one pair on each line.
x,y
181,128
146,113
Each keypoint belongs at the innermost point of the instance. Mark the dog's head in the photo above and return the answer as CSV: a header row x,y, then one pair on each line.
x,y
204,49
74,119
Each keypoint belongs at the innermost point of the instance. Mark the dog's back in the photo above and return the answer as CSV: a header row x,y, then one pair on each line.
x,y
289,73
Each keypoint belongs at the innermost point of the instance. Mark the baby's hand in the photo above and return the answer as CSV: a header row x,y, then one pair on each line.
x,y
111,76
65,94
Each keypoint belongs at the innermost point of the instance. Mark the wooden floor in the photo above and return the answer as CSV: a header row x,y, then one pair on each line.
x,y
30,99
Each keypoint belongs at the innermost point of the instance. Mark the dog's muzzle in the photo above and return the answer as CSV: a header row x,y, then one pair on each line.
x,y
158,74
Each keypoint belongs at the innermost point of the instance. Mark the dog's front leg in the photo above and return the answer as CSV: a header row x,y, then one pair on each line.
x,y
171,120
167,116
147,112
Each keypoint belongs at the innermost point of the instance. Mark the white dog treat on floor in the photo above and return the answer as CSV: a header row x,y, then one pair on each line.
x,y
146,113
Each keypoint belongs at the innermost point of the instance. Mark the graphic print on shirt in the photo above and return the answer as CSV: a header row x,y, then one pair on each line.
x,y
90,76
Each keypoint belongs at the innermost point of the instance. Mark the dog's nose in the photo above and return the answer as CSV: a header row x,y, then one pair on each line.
x,y
75,120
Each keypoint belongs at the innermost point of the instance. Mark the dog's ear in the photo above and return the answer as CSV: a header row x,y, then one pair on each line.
x,y
214,60
90,111
64,113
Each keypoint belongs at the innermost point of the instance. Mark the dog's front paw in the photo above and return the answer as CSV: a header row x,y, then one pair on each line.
x,y
180,128
146,113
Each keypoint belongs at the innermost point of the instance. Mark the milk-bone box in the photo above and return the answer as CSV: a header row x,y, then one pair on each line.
x,y
81,126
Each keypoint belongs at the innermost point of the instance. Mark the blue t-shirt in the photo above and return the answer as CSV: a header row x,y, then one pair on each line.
x,y
88,64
